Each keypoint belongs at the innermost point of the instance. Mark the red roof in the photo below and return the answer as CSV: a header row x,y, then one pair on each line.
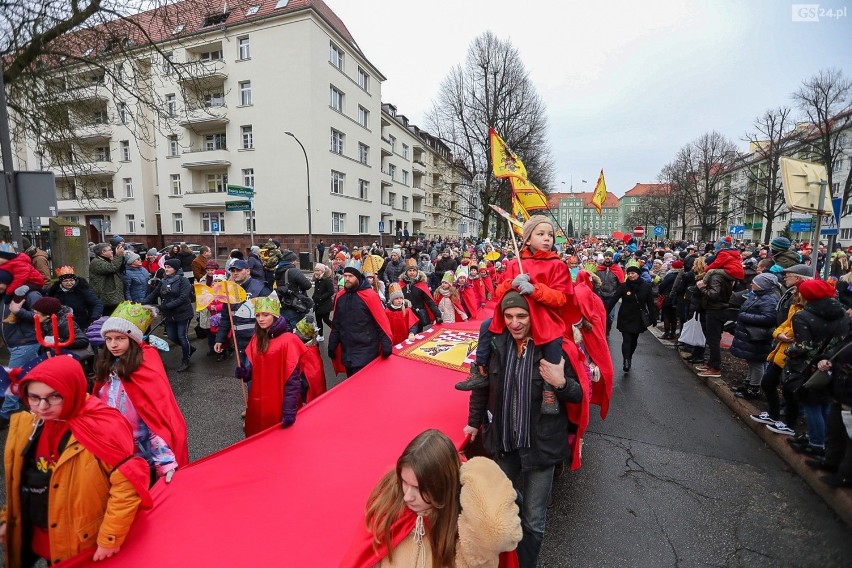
x,y
645,189
611,201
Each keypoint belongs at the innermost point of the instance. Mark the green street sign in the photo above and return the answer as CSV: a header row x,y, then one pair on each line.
x,y
240,191
238,206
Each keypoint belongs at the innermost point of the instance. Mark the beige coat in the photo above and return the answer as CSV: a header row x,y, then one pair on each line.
x,y
488,524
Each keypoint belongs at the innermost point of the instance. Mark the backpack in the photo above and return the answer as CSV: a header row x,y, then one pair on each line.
x,y
295,300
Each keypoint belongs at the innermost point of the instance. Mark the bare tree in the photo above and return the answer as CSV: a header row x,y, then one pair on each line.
x,y
698,170
492,89
826,101
771,139
73,68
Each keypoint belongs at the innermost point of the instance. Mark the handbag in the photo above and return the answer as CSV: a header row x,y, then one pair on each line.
x,y
819,380
691,333
646,317
758,334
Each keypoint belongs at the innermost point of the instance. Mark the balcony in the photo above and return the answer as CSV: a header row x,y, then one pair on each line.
x,y
202,159
418,216
418,168
207,200
206,117
84,205
418,192
93,169
203,73
94,92
94,133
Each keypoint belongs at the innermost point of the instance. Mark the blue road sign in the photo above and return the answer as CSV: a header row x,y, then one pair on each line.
x,y
829,224
659,230
381,226
214,226
735,230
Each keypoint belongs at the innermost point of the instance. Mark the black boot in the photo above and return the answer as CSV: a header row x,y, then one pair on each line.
x,y
626,366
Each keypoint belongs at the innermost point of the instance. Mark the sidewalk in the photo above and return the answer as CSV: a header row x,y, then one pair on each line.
x,y
840,500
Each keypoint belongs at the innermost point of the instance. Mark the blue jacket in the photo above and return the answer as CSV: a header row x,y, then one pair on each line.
x,y
22,332
758,311
136,283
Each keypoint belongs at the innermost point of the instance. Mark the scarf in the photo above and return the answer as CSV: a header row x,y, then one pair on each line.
x,y
517,397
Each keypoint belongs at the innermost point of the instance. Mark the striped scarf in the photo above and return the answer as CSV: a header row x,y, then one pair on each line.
x,y
516,397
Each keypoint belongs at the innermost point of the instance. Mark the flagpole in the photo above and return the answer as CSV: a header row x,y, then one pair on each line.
x,y
234,335
517,250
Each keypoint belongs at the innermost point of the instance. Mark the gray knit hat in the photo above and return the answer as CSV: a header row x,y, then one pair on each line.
x,y
531,224
513,299
765,280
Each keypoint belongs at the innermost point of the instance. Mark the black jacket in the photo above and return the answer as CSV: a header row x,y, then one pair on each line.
x,y
255,267
355,330
548,432
80,339
716,295
83,302
817,330
174,293
323,296
296,281
634,296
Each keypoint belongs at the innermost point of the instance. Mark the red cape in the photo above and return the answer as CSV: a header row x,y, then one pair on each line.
x,y
616,269
314,372
543,268
425,289
151,395
374,304
401,322
578,413
270,372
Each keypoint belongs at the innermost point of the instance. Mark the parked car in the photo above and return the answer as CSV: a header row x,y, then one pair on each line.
x,y
192,246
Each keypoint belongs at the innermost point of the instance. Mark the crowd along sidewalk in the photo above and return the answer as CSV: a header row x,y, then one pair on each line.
x,y
840,500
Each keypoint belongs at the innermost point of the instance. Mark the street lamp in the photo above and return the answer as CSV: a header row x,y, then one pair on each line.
x,y
310,225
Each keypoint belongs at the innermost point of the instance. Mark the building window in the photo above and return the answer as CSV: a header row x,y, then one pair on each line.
x,y
336,141
245,93
405,203
207,218
337,220
171,105
335,56
177,30
128,187
216,141
217,183
363,153
102,154
363,224
337,179
122,113
125,150
391,171
405,177
391,199
392,142
282,3
336,101
243,46
168,68
175,184
248,177
251,222
131,223
177,219
248,137
405,151
174,149
363,117
105,191
216,99
363,189
363,79
214,55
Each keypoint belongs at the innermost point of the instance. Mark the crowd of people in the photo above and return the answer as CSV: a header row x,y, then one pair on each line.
x,y
543,313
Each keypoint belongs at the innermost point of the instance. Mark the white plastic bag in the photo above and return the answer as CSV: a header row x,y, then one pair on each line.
x,y
691,334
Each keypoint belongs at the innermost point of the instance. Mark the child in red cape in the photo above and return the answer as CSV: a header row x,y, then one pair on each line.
x,y
403,320
467,294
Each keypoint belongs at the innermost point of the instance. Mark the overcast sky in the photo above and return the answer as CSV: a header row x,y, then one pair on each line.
x,y
626,84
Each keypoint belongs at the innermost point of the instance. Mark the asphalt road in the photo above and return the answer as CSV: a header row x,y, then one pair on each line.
x,y
670,478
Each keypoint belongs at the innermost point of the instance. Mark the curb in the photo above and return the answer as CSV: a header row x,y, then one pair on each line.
x,y
839,500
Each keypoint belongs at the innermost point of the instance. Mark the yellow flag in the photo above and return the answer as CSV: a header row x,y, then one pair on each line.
x,y
505,162
203,296
600,194
530,196
520,213
229,292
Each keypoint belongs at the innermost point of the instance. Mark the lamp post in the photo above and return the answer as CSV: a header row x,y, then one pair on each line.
x,y
310,225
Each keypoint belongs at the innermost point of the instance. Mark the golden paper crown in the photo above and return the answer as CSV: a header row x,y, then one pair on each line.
x,y
65,271
267,305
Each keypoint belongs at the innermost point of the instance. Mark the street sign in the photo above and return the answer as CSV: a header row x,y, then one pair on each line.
x,y
240,191
639,231
238,206
214,226
659,230
802,224
736,230
381,226
829,222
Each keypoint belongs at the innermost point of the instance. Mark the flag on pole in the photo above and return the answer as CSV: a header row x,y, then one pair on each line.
x,y
530,196
220,291
599,195
519,212
504,162
517,225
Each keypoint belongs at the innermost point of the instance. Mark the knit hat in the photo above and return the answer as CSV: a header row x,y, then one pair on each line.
x,y
723,243
633,268
174,263
129,318
461,271
254,249
394,292
267,305
47,305
531,224
211,265
816,290
677,264
355,272
397,252
5,277
152,252
513,299
765,280
448,277
132,257
116,240
780,244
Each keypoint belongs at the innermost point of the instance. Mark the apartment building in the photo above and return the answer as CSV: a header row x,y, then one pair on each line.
x,y
272,96
576,216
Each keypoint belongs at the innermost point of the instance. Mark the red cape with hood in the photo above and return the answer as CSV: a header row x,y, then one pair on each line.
x,y
401,321
730,261
591,308
553,290
270,372
578,412
314,371
374,304
101,429
151,394
469,300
